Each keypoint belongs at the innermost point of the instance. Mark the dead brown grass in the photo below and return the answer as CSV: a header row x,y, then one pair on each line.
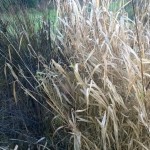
x,y
101,99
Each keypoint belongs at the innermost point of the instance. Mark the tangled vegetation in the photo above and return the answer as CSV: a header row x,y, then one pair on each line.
x,y
80,83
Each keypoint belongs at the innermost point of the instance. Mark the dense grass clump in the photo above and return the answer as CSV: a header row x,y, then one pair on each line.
x,y
84,85
104,96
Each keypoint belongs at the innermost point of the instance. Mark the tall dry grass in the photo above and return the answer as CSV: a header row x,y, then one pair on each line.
x,y
99,94
102,98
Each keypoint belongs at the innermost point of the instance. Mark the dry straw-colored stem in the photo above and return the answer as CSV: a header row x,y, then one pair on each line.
x,y
139,46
